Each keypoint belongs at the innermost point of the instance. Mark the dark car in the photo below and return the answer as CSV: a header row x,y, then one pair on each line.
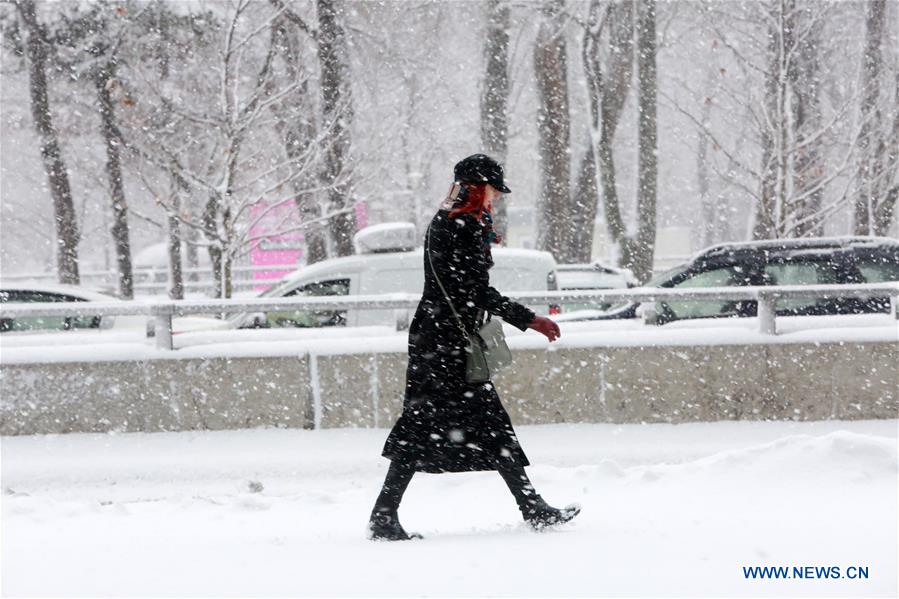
x,y
36,292
22,293
813,261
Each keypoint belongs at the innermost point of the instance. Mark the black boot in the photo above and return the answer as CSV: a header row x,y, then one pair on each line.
x,y
540,515
385,526
534,509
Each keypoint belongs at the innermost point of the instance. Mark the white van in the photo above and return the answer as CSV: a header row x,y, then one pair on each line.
x,y
384,270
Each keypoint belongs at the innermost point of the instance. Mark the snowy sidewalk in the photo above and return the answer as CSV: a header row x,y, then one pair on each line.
x,y
668,510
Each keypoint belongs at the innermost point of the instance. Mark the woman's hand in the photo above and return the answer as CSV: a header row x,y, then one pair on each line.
x,y
546,327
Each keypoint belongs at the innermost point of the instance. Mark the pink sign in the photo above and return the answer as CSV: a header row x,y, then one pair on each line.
x,y
279,246
361,215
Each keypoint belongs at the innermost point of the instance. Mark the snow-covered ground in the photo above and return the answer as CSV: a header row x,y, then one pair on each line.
x,y
668,510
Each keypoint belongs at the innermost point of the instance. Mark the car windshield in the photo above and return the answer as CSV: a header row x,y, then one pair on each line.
x,y
660,278
277,290
655,281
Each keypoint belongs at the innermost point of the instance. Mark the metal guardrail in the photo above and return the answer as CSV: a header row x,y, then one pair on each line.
x,y
204,271
164,311
151,280
204,287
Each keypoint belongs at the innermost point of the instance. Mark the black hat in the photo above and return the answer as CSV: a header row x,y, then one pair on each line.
x,y
480,168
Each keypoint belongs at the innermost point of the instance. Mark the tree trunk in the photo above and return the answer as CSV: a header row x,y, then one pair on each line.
x,y
103,78
338,114
884,214
495,95
176,272
612,91
708,236
647,167
786,50
228,233
67,234
808,169
176,275
765,226
297,128
872,63
584,205
211,232
585,202
553,124
227,275
192,238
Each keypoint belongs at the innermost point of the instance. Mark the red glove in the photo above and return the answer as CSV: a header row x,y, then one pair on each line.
x,y
546,327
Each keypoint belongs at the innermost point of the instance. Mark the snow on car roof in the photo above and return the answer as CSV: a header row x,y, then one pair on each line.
x,y
591,267
595,279
358,262
385,237
793,245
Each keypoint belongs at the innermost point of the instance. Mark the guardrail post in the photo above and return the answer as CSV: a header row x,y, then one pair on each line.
x,y
162,316
650,315
766,312
894,306
401,317
315,386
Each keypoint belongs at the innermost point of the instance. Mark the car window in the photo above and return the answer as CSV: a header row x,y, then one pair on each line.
x,y
322,288
728,276
313,318
662,277
879,269
805,272
43,323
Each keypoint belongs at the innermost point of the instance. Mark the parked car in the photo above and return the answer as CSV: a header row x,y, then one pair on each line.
x,y
584,277
813,261
40,292
387,265
33,293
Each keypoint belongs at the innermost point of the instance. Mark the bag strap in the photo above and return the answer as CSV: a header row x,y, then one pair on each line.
x,y
442,289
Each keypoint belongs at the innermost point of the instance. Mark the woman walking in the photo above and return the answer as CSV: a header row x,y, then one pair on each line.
x,y
449,424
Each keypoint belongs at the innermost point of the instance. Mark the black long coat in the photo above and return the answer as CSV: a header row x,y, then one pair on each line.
x,y
448,424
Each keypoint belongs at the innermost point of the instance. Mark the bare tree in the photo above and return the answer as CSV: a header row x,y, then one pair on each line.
x,y
774,126
808,164
553,127
217,140
608,88
93,36
103,44
104,79
802,143
877,188
641,256
337,108
398,96
885,210
495,91
67,232
298,128
585,201
792,175
711,207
